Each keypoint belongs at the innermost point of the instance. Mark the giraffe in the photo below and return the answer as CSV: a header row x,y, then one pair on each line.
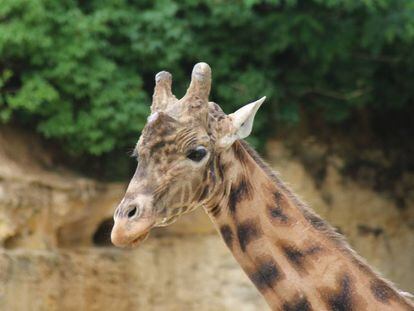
x,y
192,154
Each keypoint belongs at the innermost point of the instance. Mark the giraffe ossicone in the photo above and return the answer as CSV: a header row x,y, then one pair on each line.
x,y
191,154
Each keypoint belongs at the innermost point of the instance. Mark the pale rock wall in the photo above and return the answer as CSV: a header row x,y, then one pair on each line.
x,y
41,207
48,260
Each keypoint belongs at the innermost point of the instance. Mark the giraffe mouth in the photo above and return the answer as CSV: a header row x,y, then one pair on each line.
x,y
139,240
127,234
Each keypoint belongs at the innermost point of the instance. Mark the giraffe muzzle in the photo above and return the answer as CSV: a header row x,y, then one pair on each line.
x,y
131,231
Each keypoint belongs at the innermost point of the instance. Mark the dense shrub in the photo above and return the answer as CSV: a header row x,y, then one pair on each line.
x,y
81,72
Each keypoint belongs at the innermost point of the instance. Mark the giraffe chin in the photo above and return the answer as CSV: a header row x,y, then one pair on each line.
x,y
138,240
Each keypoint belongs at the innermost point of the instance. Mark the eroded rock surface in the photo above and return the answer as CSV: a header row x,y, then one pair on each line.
x,y
41,207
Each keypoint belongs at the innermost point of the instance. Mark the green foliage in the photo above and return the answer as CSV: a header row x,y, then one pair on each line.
x,y
81,72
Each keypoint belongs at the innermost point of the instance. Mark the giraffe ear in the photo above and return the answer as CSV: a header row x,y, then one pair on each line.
x,y
241,123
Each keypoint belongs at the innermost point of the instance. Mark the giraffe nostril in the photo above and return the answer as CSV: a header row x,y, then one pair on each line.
x,y
132,212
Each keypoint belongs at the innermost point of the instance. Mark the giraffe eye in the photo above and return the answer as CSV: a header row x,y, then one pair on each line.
x,y
197,154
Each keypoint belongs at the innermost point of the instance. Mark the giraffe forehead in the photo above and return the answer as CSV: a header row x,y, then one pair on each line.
x,y
162,124
170,136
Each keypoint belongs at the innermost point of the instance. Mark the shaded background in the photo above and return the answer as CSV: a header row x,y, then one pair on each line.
x,y
76,80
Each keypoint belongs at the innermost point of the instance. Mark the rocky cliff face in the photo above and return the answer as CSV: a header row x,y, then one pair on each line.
x,y
52,221
42,207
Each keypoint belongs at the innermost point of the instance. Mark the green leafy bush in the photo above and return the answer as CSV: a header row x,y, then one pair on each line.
x,y
81,72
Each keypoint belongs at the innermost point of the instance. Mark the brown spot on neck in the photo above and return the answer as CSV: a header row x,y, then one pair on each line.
x,y
297,304
227,235
248,231
240,191
341,298
275,210
381,291
299,259
385,293
267,274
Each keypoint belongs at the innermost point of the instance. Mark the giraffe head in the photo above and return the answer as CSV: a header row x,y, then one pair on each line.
x,y
177,156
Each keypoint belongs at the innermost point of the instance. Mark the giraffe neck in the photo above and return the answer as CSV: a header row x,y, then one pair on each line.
x,y
294,258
